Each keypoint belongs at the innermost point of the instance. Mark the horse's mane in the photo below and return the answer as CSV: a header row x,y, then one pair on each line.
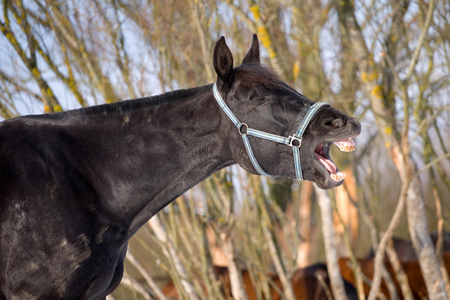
x,y
128,105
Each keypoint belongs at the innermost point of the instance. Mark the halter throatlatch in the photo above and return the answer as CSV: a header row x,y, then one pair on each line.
x,y
294,141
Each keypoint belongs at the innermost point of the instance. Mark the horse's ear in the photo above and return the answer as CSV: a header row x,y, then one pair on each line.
x,y
252,55
223,61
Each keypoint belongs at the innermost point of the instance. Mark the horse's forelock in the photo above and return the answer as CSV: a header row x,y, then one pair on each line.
x,y
250,75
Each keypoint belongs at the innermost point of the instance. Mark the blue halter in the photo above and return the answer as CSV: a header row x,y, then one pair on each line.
x,y
294,141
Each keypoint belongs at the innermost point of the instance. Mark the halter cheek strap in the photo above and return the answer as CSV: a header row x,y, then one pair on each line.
x,y
294,141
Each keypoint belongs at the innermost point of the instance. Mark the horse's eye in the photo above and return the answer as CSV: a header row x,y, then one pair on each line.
x,y
259,100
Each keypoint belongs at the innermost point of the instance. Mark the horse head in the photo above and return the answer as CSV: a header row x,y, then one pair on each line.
x,y
279,131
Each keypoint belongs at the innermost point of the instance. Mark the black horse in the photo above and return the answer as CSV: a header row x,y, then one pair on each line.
x,y
75,186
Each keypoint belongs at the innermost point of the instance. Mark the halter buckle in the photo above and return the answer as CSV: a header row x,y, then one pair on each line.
x,y
295,141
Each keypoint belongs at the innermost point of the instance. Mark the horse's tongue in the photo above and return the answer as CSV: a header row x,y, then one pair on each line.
x,y
347,145
335,174
331,167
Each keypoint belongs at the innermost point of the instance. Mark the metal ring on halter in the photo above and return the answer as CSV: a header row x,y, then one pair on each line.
x,y
241,127
295,141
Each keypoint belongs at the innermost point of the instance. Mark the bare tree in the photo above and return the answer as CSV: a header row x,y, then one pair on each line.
x,y
387,63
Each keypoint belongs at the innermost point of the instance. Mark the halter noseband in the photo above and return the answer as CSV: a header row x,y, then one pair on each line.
x,y
294,141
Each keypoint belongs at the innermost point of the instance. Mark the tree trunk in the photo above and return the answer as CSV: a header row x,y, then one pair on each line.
x,y
326,212
418,229
305,229
236,282
347,210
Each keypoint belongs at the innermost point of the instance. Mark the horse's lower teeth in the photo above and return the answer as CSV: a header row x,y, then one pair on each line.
x,y
338,176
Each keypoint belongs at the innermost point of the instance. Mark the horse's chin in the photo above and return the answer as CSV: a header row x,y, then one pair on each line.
x,y
325,182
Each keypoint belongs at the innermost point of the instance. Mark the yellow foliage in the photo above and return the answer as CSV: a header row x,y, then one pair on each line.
x,y
364,77
367,77
49,92
264,37
56,108
296,70
377,91
388,130
255,11
35,72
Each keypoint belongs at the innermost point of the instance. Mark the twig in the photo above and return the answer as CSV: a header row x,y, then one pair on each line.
x,y
430,164
136,286
423,34
161,234
426,122
399,272
379,256
130,257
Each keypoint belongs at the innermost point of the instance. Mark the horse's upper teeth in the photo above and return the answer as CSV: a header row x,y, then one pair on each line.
x,y
347,145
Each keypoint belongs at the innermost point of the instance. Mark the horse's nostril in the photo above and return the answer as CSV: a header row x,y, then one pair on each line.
x,y
337,123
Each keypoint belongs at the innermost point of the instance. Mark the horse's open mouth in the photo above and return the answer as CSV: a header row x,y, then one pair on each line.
x,y
322,153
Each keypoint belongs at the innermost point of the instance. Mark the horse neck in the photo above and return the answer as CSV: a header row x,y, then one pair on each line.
x,y
151,155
